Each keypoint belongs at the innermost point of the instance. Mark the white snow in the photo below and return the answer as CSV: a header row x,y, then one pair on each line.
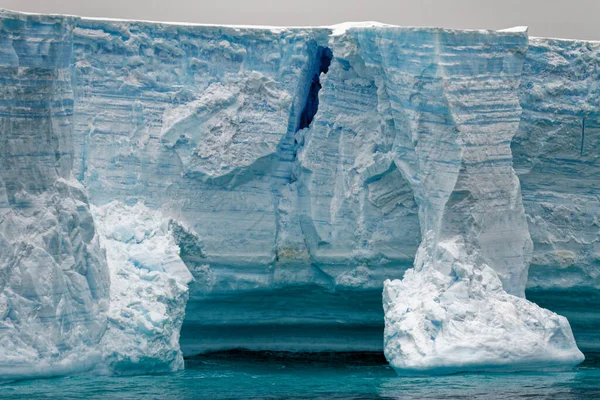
x,y
340,29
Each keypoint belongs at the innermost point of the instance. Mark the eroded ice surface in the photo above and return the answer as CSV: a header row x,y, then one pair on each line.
x,y
555,155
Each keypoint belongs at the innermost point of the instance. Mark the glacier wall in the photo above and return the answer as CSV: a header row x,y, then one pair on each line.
x,y
138,139
302,167
449,100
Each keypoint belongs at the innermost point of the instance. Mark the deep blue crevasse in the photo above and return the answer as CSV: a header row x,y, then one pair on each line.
x,y
311,107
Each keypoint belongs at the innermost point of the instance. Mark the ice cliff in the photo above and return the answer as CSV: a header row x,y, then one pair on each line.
x,y
291,171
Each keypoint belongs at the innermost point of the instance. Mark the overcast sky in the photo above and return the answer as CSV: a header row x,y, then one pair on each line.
x,y
577,19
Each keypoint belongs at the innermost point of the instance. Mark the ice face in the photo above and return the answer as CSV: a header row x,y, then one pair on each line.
x,y
304,165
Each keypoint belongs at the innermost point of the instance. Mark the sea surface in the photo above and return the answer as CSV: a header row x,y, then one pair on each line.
x,y
266,375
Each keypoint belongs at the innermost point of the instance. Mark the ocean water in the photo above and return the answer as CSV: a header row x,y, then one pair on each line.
x,y
266,375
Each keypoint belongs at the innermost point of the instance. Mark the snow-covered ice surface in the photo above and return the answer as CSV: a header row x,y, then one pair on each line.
x,y
148,290
301,165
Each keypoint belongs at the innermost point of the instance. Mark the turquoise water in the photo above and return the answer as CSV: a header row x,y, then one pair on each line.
x,y
269,376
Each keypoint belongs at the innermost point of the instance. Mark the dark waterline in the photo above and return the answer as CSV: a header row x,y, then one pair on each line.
x,y
280,375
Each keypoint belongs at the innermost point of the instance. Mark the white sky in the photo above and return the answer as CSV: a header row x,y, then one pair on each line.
x,y
575,19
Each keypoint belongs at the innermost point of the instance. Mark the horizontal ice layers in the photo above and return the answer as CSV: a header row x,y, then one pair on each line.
x,y
61,312
555,153
290,232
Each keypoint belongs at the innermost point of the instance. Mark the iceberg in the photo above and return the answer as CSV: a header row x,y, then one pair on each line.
x,y
173,189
